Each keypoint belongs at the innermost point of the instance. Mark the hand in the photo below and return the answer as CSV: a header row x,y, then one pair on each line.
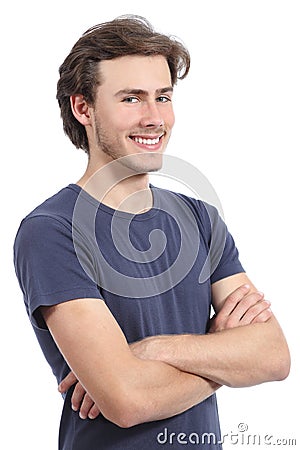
x,y
241,308
80,399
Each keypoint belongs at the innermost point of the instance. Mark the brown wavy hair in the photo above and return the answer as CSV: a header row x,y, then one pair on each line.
x,y
125,35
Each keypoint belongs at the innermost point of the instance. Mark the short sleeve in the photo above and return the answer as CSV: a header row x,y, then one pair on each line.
x,y
224,254
47,266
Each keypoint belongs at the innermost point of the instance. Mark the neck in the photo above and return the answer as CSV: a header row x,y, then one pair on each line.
x,y
118,187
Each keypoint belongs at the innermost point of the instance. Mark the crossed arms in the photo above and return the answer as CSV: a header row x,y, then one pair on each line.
x,y
135,384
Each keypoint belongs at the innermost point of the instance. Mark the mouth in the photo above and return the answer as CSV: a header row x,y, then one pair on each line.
x,y
148,142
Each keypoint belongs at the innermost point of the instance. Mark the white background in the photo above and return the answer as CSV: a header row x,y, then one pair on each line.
x,y
237,121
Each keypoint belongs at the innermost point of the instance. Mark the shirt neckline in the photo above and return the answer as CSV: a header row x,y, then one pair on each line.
x,y
114,212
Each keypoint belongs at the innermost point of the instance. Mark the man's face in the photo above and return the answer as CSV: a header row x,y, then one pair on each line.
x,y
133,113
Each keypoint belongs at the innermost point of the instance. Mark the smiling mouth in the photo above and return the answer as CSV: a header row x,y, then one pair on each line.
x,y
147,140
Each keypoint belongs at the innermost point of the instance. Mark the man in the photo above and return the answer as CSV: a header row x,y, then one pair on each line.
x,y
135,351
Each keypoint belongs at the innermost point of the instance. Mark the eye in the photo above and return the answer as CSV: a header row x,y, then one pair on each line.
x,y
163,99
130,100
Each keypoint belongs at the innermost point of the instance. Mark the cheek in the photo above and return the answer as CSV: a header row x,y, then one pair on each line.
x,y
115,119
125,120
170,118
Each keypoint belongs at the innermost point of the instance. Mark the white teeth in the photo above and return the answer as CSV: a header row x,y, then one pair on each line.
x,y
146,141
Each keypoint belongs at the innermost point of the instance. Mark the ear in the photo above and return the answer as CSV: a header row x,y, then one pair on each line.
x,y
80,109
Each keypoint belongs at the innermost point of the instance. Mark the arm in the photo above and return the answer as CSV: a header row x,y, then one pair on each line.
x,y
231,355
235,311
126,389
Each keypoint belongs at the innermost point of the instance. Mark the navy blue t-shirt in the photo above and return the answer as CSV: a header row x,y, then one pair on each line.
x,y
153,270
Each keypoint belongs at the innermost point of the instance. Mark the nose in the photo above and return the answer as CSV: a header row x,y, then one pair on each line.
x,y
151,115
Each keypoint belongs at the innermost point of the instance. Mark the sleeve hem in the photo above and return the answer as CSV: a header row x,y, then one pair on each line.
x,y
226,271
55,298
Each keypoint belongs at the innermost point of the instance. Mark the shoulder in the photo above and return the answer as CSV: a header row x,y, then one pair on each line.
x,y
51,218
205,213
59,207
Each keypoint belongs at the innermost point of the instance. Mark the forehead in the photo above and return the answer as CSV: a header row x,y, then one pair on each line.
x,y
142,72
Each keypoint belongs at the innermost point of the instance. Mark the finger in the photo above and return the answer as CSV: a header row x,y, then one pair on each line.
x,y
263,316
245,304
77,397
233,299
86,405
67,382
255,311
94,412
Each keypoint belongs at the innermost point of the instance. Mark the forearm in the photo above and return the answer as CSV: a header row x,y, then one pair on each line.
x,y
144,391
237,357
126,389
155,391
164,391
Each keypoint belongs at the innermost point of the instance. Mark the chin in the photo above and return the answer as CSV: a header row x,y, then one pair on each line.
x,y
143,162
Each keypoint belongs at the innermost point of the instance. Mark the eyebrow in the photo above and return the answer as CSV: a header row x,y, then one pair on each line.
x,y
130,91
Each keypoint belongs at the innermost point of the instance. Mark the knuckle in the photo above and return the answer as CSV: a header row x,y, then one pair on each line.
x,y
263,316
255,310
253,298
259,307
233,299
248,317
240,292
